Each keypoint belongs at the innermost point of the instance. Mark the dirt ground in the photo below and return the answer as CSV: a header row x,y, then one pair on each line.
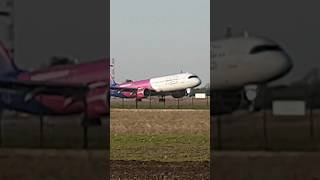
x,y
159,170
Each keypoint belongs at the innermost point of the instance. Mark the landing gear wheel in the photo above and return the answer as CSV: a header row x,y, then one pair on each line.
x,y
251,92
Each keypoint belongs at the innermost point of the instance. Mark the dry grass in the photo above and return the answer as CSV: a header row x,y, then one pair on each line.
x,y
160,135
159,121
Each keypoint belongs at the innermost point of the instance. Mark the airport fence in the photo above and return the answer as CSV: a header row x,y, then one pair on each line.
x,y
297,129
64,132
263,131
159,103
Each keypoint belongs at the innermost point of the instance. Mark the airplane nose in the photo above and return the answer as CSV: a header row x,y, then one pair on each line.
x,y
274,65
286,63
282,65
290,63
198,81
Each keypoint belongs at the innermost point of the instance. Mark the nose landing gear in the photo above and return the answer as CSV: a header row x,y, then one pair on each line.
x,y
251,92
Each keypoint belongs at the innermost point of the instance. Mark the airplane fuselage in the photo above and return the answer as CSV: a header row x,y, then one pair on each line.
x,y
158,85
91,73
241,61
240,65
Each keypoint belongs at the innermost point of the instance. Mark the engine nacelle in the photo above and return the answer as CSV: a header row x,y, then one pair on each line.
x,y
97,103
143,93
179,94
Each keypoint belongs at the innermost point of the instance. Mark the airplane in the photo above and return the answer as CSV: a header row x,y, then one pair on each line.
x,y
176,85
58,90
240,66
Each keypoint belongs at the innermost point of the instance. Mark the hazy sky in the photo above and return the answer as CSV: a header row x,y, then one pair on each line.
x,y
59,27
159,37
293,24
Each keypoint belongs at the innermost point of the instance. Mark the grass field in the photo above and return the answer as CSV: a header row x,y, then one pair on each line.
x,y
160,136
160,147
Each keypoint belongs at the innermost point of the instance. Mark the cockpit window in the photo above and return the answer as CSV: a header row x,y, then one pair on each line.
x,y
192,77
264,48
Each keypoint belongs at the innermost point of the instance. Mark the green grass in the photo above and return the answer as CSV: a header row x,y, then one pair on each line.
x,y
161,147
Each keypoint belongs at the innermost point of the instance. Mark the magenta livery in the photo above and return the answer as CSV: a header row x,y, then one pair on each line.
x,y
177,85
57,90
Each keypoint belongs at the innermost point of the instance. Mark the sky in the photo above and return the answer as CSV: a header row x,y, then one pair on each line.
x,y
151,38
293,24
59,28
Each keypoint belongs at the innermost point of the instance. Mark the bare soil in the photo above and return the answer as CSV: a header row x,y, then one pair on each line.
x,y
159,170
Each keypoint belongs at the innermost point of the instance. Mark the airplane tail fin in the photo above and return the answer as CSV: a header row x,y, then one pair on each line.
x,y
112,82
7,65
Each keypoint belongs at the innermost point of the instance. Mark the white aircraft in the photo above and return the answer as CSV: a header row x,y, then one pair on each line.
x,y
246,62
177,85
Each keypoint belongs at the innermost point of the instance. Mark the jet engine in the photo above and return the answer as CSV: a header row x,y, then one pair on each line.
x,y
143,93
97,101
179,94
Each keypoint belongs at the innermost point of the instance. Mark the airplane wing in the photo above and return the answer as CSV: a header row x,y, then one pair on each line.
x,y
134,90
32,88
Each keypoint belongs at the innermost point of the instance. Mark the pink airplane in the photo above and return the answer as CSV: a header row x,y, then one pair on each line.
x,y
177,85
58,90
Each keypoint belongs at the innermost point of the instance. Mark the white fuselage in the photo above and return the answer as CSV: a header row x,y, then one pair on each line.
x,y
175,82
240,61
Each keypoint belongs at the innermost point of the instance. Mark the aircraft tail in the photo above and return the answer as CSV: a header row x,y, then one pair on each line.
x,y
112,82
7,65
